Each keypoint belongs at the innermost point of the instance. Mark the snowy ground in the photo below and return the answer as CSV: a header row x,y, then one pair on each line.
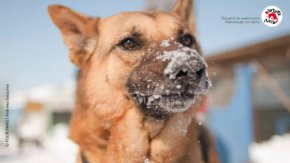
x,y
57,148
276,150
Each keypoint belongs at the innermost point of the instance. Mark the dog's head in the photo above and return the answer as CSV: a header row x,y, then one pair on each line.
x,y
151,57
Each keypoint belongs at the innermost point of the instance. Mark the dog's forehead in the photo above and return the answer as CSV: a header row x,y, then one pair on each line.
x,y
146,23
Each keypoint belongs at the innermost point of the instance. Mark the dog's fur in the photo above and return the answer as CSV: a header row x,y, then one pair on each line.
x,y
108,124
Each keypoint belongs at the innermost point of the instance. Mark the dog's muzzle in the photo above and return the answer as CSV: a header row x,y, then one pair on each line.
x,y
169,79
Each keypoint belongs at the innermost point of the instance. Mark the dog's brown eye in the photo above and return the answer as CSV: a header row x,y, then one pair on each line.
x,y
187,40
128,44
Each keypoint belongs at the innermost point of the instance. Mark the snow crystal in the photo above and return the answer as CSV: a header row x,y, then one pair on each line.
x,y
165,43
152,98
156,96
146,160
167,92
176,106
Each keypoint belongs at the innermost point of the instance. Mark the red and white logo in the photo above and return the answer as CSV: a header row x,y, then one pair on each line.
x,y
272,16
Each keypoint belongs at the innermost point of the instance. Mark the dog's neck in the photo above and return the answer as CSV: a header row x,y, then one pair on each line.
x,y
152,125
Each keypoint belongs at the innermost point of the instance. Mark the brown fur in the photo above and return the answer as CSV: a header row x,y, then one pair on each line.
x,y
107,124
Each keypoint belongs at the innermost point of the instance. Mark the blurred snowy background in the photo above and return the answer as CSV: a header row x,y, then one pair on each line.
x,y
244,113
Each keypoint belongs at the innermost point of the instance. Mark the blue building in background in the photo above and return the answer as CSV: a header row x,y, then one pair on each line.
x,y
244,106
232,124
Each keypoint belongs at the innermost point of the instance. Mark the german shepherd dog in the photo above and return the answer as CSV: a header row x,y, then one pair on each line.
x,y
141,79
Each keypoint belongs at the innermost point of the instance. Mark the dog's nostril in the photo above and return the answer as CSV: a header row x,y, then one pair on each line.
x,y
200,72
181,73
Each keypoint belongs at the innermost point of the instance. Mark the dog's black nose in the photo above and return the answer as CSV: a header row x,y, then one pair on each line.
x,y
181,63
183,73
193,68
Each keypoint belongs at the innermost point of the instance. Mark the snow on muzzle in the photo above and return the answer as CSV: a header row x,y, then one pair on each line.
x,y
183,62
169,79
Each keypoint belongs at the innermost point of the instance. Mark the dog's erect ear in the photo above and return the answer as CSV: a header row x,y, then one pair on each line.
x,y
79,32
184,9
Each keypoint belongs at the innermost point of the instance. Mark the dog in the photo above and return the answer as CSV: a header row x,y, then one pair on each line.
x,y
141,79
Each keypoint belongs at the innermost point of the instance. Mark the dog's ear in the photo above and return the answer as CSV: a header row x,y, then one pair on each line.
x,y
184,9
79,32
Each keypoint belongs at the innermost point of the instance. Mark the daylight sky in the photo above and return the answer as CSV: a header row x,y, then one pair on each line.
x,y
32,52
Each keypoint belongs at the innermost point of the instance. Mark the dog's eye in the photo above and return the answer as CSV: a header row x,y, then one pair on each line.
x,y
128,44
187,40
